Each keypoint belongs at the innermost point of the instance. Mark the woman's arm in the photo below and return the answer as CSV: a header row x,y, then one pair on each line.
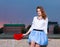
x,y
31,28
26,33
46,26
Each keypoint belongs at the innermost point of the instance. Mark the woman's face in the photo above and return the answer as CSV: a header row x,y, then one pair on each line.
x,y
39,12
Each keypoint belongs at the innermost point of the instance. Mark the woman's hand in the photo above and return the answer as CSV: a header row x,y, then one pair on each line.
x,y
24,34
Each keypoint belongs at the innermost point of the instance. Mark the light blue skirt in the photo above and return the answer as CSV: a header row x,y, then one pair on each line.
x,y
38,37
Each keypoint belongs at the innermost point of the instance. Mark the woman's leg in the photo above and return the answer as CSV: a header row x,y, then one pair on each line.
x,y
32,44
37,45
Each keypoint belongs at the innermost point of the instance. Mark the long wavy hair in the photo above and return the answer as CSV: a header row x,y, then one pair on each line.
x,y
42,11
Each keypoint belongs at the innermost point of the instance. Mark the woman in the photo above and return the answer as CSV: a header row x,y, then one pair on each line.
x,y
38,30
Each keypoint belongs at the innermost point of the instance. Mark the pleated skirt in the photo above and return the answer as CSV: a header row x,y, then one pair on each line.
x,y
39,37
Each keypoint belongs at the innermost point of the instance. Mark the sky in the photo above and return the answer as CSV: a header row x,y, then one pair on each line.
x,y
23,11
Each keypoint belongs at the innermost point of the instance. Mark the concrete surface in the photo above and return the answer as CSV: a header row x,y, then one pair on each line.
x,y
24,43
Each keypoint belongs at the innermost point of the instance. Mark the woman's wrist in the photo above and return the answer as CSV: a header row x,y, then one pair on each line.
x,y
27,33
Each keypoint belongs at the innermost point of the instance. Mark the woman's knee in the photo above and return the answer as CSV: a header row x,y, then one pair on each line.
x,y
32,44
37,45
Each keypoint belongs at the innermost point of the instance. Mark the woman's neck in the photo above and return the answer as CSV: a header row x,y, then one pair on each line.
x,y
39,17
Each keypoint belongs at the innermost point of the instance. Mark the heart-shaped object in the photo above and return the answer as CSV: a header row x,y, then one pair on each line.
x,y
18,36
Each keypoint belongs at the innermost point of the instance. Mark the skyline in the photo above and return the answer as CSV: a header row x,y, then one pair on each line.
x,y
23,11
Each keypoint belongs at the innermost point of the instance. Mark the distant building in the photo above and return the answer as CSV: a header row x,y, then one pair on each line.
x,y
13,28
51,26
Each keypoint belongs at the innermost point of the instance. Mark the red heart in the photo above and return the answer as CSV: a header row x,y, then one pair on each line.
x,y
18,36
